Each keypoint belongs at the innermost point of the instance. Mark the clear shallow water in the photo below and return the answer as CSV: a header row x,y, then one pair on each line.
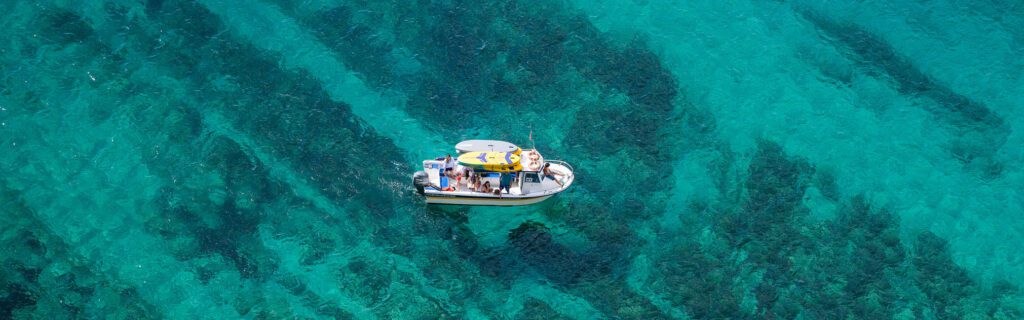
x,y
169,159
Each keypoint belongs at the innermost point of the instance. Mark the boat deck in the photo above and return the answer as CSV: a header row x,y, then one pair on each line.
x,y
528,186
462,188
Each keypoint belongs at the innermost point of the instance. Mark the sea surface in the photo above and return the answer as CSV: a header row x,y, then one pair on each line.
x,y
734,159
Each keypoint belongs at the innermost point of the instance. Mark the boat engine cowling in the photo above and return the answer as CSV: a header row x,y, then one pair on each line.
x,y
420,180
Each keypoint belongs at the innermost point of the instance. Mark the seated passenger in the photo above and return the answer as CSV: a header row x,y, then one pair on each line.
x,y
462,176
451,174
485,188
473,182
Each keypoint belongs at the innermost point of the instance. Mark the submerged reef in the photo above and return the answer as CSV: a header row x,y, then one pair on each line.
x,y
980,132
764,258
41,278
159,164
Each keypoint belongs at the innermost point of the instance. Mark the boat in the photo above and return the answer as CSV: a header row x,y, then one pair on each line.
x,y
488,160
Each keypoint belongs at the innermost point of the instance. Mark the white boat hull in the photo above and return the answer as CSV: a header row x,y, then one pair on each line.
x,y
485,201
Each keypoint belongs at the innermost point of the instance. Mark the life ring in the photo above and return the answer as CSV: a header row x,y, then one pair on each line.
x,y
534,155
534,166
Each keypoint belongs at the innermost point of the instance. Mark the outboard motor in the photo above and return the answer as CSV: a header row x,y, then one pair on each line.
x,y
420,180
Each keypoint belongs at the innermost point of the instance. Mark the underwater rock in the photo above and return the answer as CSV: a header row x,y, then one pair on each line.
x,y
871,237
982,131
941,280
692,276
774,192
535,309
66,26
14,297
532,242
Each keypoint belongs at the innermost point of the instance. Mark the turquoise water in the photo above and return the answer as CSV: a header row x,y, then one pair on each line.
x,y
739,159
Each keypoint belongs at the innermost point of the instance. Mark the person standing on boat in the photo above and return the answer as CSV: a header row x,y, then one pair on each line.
x,y
505,182
449,164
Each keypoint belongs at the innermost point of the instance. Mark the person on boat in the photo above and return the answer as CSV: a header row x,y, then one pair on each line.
x,y
465,173
550,174
485,188
505,182
474,181
449,164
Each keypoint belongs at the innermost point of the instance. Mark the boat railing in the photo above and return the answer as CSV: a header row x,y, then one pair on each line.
x,y
564,164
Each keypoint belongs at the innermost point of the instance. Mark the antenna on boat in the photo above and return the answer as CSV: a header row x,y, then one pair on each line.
x,y
534,145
